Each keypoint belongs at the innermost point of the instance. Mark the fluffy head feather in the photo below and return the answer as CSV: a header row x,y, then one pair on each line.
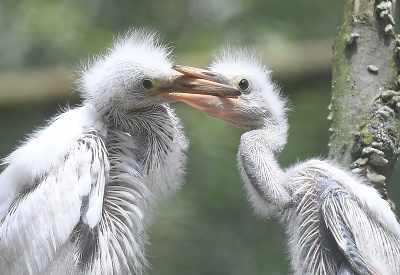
x,y
262,103
113,80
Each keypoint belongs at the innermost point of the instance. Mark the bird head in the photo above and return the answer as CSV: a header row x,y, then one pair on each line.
x,y
137,73
259,104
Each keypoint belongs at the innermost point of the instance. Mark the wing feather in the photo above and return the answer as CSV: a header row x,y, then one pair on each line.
x,y
41,206
350,225
99,174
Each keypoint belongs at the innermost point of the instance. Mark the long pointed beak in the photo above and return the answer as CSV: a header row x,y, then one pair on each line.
x,y
213,94
209,78
198,81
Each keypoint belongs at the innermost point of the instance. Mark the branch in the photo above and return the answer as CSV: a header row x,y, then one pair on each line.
x,y
365,128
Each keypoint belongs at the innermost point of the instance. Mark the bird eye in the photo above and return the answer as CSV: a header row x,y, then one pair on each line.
x,y
244,85
147,83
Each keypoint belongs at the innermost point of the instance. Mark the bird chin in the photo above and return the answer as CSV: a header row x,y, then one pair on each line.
x,y
163,98
154,100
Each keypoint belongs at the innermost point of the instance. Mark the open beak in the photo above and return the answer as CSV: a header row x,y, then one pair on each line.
x,y
197,81
207,91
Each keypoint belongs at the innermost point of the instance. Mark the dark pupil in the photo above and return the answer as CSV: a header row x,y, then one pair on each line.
x,y
243,84
147,84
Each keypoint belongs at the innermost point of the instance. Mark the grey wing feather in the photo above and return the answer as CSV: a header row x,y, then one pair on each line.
x,y
336,202
42,218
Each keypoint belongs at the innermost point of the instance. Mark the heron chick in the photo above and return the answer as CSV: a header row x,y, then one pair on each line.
x,y
76,196
336,223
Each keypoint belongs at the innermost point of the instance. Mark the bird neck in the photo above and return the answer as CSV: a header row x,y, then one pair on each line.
x,y
138,120
158,143
274,135
263,176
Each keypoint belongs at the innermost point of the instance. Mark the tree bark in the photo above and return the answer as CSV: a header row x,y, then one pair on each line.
x,y
364,110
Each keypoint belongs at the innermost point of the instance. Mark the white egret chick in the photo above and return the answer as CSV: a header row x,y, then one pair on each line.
x,y
76,196
336,223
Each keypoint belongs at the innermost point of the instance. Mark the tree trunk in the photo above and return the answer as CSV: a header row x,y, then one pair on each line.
x,y
365,106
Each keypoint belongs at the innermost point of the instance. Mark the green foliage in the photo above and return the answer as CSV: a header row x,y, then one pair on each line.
x,y
43,32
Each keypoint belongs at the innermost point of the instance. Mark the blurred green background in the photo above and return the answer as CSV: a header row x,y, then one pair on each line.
x,y
208,227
